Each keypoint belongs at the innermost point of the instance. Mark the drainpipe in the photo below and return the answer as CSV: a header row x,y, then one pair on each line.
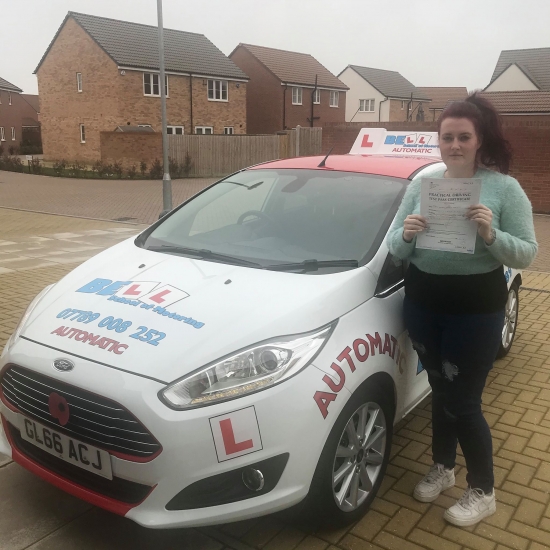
x,y
191,101
380,109
284,107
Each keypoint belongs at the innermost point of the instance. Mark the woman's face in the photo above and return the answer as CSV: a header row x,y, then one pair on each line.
x,y
458,143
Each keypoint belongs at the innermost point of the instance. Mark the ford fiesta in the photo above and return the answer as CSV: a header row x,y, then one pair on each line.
x,y
244,354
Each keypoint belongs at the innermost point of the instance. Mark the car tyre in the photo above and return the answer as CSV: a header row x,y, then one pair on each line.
x,y
510,320
354,459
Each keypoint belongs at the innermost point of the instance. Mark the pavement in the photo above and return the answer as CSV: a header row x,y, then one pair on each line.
x,y
134,201
37,249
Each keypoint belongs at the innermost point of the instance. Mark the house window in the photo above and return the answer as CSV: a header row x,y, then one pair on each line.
x,y
334,97
175,130
296,96
228,130
204,130
217,90
2,134
12,133
317,96
366,105
82,134
9,98
402,105
78,82
151,84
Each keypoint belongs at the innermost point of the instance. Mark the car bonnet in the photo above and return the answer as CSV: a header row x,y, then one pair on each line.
x,y
163,316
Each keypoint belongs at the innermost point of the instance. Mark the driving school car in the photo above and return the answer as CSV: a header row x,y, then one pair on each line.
x,y
244,354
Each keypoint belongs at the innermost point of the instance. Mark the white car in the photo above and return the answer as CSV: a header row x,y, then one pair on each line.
x,y
244,353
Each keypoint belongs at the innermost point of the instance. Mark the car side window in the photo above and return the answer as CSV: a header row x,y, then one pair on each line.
x,y
391,277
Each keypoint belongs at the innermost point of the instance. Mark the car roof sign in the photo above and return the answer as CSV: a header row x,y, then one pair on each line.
x,y
378,141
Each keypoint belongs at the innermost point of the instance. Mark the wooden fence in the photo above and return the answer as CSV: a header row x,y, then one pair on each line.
x,y
219,155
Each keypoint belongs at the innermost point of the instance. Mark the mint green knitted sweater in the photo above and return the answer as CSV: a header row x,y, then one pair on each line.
x,y
515,245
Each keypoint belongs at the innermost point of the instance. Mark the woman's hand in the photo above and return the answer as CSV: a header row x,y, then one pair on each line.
x,y
483,216
413,224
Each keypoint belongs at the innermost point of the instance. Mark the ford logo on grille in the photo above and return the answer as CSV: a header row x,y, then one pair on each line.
x,y
64,365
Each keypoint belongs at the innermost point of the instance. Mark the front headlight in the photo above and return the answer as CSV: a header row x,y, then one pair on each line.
x,y
250,370
25,317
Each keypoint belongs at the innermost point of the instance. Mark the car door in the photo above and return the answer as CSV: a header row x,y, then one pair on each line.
x,y
391,282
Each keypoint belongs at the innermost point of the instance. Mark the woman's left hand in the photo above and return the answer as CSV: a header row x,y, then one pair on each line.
x,y
483,216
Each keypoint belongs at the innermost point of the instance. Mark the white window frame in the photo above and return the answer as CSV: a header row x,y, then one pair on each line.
x,y
202,130
402,105
174,129
82,129
217,89
2,134
228,130
9,98
316,97
79,82
151,77
13,133
334,98
296,95
367,105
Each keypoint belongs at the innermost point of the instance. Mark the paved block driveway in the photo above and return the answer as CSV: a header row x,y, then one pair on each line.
x,y
36,249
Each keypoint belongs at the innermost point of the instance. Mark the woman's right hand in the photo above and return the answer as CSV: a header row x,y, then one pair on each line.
x,y
413,224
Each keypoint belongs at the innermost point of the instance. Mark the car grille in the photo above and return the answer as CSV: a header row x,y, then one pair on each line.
x,y
117,488
92,419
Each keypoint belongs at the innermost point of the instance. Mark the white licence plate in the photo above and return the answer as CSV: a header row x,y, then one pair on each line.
x,y
66,448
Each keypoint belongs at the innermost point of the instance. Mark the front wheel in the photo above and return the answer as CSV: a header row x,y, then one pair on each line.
x,y
355,456
510,320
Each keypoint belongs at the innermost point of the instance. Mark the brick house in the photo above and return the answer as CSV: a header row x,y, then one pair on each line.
x,y
18,116
377,95
98,74
521,70
440,96
287,89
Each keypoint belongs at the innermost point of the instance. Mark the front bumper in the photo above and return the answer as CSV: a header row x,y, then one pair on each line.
x,y
288,422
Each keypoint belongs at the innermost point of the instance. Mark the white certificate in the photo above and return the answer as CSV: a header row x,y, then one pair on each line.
x,y
444,203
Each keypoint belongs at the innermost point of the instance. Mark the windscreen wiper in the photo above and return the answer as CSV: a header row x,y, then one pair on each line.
x,y
203,254
312,265
249,187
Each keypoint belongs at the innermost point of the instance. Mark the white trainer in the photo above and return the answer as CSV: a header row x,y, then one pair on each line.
x,y
434,482
471,508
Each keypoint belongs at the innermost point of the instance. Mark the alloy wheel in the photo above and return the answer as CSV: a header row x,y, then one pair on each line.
x,y
359,456
510,318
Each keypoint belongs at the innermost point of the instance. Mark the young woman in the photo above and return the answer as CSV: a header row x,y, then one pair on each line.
x,y
454,305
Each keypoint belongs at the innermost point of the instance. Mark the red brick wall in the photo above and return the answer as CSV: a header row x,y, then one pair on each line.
x,y
11,116
528,135
264,95
110,99
130,148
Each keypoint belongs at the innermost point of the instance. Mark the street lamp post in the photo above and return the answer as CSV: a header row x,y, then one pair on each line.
x,y
166,181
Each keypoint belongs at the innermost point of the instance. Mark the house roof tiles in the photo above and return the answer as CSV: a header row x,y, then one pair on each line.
x,y
389,83
519,101
441,95
136,45
5,85
294,67
534,62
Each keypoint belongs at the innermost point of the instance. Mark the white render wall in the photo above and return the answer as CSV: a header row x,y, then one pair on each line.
x,y
511,80
359,88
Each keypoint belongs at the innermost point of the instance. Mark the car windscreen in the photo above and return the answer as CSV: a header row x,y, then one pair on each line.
x,y
268,218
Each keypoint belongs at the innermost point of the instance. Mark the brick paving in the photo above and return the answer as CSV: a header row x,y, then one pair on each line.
x,y
137,201
516,403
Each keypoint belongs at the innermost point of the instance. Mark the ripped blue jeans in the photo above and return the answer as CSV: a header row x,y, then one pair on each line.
x,y
457,352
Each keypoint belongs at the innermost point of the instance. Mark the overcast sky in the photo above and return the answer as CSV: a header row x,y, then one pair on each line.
x,y
430,42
